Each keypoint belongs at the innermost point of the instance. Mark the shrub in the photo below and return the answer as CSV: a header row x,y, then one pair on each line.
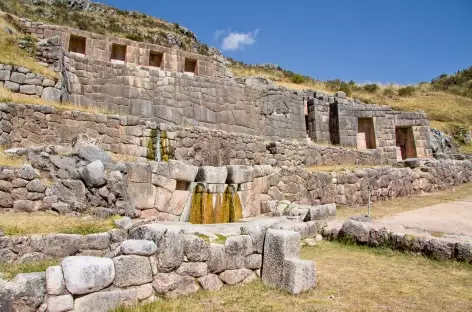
x,y
297,78
406,91
371,87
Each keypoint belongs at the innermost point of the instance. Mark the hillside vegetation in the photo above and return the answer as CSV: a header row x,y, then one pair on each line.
x,y
447,99
106,20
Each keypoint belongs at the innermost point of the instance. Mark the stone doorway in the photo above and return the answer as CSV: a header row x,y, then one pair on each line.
x,y
405,142
365,134
334,124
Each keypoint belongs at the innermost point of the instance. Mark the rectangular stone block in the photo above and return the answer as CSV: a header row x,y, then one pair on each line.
x,y
299,275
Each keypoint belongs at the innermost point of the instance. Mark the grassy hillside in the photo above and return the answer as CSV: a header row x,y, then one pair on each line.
x,y
106,20
447,99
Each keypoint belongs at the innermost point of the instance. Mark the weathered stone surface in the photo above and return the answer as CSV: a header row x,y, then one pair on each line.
x,y
181,171
24,205
237,248
355,230
60,303
92,153
187,286
59,245
55,284
176,204
253,261
125,223
173,285
132,271
299,275
138,247
195,269
96,241
164,182
232,277
27,291
36,186
139,172
196,249
84,275
210,282
210,174
105,300
463,252
240,174
320,212
439,249
279,245
94,174
27,173
170,251
143,194
51,94
217,258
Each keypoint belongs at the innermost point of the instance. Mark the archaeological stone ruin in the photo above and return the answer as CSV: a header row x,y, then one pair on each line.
x,y
216,180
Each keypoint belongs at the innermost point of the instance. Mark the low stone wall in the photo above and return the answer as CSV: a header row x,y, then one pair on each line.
x,y
24,81
161,261
378,235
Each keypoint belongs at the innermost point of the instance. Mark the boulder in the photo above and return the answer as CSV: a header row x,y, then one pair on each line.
x,y
209,174
232,277
210,282
132,271
196,249
105,300
94,174
84,274
27,173
60,303
195,269
138,247
27,291
173,285
355,230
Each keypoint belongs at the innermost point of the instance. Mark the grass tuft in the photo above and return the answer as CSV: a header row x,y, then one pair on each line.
x,y
9,271
11,161
221,239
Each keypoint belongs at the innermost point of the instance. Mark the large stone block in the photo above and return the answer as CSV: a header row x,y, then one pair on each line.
x,y
139,172
210,282
170,250
138,247
232,277
84,275
195,269
217,259
51,94
196,249
27,291
132,271
209,174
355,230
279,245
143,194
55,284
181,171
238,174
320,212
299,275
94,174
105,300
60,303
176,204
58,245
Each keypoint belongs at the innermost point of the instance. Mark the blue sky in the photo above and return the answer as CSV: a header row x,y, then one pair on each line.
x,y
394,41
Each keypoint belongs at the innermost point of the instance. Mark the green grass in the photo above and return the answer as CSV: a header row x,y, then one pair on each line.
x,y
221,239
349,278
204,237
9,271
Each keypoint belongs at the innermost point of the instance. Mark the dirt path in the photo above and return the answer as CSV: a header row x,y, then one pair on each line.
x,y
450,218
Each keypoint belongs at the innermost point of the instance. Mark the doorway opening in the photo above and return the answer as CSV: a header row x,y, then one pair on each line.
x,y
365,134
405,141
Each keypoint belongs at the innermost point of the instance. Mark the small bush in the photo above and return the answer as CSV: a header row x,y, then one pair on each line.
x,y
297,78
389,91
371,88
406,91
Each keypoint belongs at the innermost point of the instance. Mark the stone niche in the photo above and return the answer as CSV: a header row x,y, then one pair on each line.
x,y
405,141
77,44
365,134
156,59
118,52
190,66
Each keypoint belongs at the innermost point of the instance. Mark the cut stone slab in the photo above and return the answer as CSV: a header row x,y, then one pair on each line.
x,y
132,271
279,245
209,174
181,171
55,284
320,212
84,274
210,282
238,174
299,275
138,247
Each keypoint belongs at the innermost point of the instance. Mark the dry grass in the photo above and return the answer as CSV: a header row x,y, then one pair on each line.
x,y
122,158
9,271
397,205
350,278
21,223
13,55
339,168
8,96
11,161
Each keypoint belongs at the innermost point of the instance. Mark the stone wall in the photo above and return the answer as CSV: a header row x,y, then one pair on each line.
x,y
22,80
159,261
